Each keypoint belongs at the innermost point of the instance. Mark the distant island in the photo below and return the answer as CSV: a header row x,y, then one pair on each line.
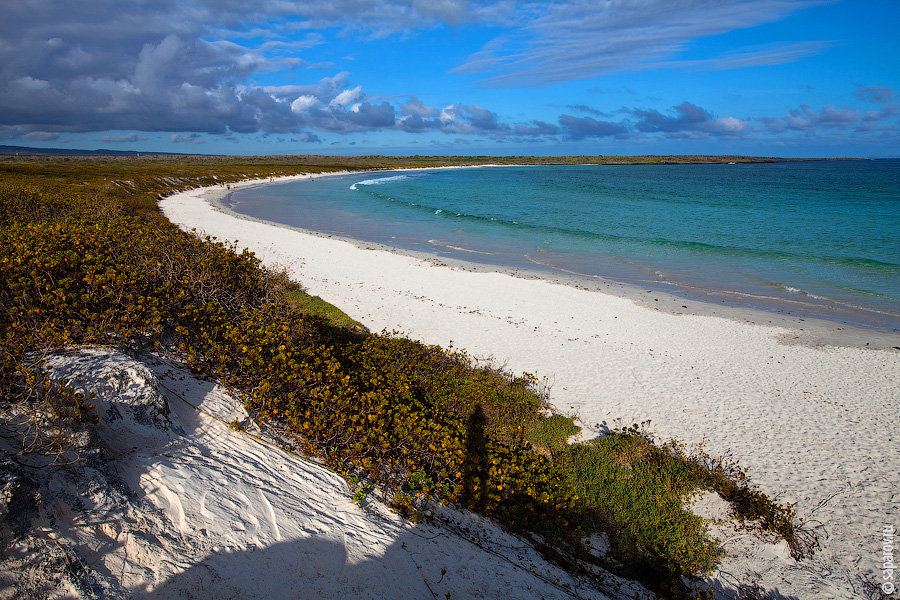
x,y
381,162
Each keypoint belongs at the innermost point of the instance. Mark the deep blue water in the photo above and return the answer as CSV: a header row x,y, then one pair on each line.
x,y
807,238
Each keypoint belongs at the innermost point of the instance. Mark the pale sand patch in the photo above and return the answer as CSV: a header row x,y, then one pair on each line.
x,y
809,410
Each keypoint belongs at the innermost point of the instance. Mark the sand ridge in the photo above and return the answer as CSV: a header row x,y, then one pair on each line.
x,y
186,507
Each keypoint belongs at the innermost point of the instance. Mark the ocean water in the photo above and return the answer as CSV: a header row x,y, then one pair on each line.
x,y
814,239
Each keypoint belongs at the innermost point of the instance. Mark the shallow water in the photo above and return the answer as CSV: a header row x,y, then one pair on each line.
x,y
815,239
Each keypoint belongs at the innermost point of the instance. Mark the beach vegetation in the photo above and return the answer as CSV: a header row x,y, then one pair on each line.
x,y
749,504
316,307
86,258
551,433
635,492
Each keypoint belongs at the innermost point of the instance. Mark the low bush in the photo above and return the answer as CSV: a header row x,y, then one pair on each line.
x,y
747,501
551,433
636,493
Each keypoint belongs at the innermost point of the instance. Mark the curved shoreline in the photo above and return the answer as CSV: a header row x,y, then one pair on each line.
x,y
806,407
811,331
766,287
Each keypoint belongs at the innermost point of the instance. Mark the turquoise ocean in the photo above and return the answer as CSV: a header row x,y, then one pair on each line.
x,y
812,239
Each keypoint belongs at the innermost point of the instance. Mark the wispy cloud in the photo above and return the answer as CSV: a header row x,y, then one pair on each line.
x,y
122,139
583,39
193,138
741,59
41,136
876,93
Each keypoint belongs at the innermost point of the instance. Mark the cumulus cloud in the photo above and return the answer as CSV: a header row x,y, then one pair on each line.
x,y
726,125
831,124
364,116
460,118
187,66
174,84
805,118
303,102
416,117
884,96
687,120
416,108
347,97
583,127
310,138
536,129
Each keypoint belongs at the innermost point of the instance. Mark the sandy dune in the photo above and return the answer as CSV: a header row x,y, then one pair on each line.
x,y
186,507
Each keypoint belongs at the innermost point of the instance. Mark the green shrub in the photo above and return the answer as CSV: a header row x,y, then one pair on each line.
x,y
748,502
316,307
636,492
551,434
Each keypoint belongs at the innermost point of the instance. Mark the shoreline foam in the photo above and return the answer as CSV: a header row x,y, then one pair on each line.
x,y
806,406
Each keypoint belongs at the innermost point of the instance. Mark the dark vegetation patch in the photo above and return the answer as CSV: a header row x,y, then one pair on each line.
x,y
86,258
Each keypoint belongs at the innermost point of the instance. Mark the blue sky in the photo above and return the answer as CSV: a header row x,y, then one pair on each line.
x,y
755,77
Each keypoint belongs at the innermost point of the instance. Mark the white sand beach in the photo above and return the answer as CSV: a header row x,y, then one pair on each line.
x,y
809,408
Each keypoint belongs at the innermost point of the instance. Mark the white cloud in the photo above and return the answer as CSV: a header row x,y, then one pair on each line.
x,y
727,125
303,102
347,97
448,114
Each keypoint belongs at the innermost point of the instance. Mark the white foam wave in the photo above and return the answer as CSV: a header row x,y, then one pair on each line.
x,y
801,292
379,181
545,263
442,244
